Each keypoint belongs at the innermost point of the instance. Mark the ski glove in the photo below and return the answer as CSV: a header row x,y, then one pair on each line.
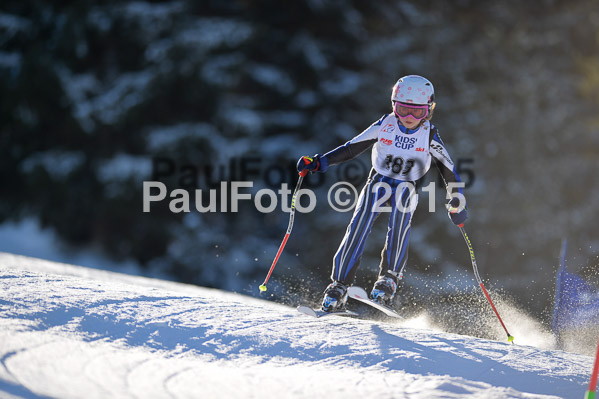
x,y
313,164
458,218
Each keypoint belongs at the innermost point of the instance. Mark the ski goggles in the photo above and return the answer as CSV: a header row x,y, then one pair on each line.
x,y
417,111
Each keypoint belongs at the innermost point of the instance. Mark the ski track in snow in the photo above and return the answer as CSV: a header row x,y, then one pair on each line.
x,y
72,332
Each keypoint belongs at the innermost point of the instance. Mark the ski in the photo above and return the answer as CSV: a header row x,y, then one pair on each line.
x,y
359,294
321,313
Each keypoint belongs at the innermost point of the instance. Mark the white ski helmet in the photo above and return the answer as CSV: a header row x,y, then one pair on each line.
x,y
413,89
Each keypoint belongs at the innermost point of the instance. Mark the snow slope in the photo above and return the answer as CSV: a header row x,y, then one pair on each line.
x,y
73,332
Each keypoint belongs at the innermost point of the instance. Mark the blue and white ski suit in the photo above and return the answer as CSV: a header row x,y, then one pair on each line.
x,y
400,159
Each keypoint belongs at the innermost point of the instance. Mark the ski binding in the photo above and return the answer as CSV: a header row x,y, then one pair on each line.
x,y
321,313
359,294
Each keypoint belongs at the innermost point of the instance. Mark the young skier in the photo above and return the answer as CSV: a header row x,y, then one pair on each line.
x,y
403,143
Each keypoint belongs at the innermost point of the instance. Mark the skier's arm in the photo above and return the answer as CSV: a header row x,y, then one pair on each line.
x,y
345,152
451,178
443,162
349,150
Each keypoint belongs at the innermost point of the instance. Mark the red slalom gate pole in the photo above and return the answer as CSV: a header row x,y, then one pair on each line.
x,y
590,394
510,338
303,173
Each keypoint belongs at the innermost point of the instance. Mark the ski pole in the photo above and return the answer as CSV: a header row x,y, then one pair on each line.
x,y
590,394
510,338
289,227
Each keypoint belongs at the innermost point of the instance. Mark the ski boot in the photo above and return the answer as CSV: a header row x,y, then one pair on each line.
x,y
335,297
384,289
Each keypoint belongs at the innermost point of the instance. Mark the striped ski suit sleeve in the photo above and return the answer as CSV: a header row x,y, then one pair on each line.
x,y
355,146
444,163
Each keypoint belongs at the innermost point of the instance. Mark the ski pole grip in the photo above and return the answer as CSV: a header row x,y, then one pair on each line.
x,y
307,161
